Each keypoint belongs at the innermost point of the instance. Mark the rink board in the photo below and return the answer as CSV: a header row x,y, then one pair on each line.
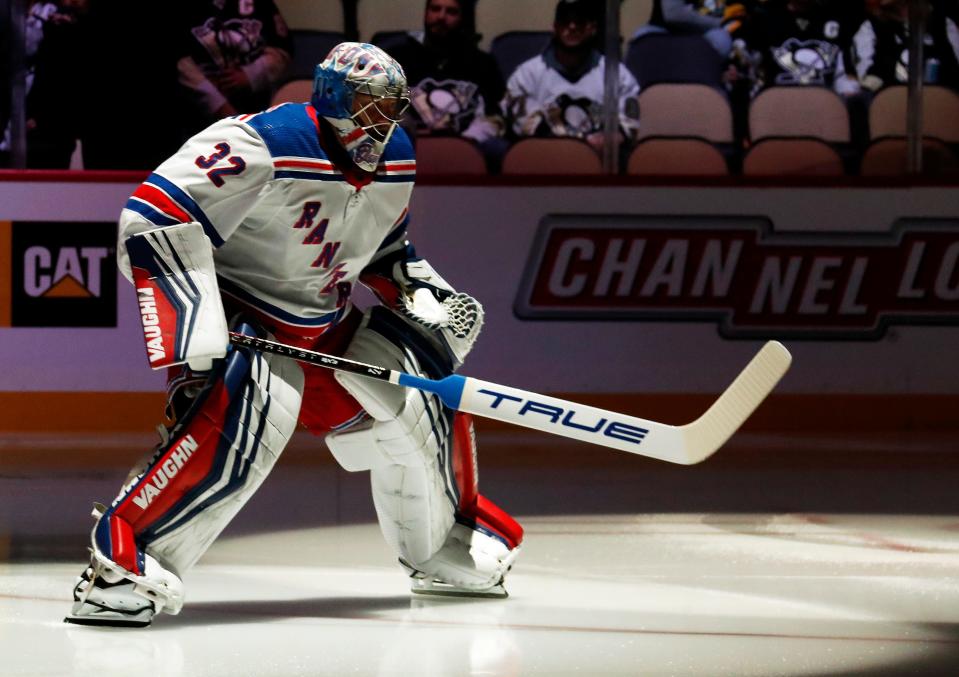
x,y
871,316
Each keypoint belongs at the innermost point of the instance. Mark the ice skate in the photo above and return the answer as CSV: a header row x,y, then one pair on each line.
x,y
429,585
100,601
470,564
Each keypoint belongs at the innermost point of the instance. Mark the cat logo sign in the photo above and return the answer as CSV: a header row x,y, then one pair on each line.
x,y
60,274
70,272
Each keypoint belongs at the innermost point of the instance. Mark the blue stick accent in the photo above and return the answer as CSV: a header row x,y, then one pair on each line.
x,y
449,389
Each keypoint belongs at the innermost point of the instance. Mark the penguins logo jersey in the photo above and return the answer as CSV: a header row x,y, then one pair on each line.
x,y
805,62
576,117
291,233
539,95
230,43
446,105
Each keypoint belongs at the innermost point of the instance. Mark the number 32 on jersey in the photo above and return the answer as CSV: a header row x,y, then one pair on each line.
x,y
235,164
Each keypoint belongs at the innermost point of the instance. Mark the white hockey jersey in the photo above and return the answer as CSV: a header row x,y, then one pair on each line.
x,y
537,93
291,232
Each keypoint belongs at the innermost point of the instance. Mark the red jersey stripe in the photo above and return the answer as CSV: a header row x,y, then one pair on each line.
x,y
308,164
161,201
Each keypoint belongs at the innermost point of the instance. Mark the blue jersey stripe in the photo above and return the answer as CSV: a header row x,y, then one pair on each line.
x,y
308,176
235,290
150,213
188,204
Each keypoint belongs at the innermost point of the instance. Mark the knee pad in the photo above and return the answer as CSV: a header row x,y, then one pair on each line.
x,y
218,454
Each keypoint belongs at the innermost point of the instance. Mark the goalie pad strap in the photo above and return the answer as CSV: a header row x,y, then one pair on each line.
x,y
180,306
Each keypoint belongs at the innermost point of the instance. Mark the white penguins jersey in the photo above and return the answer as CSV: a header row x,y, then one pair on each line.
x,y
291,233
538,93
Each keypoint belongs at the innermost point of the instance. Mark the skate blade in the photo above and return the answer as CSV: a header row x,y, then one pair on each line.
x,y
438,589
109,617
101,621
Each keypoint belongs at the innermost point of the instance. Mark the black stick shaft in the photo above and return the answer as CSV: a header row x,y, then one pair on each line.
x,y
312,357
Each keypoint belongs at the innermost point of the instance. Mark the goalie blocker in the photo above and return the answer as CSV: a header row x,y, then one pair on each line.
x,y
180,306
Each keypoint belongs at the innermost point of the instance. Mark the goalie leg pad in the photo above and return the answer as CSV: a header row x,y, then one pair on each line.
x,y
180,306
218,454
475,510
481,548
407,446
422,458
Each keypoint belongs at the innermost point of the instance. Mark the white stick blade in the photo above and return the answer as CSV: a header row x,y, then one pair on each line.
x,y
709,432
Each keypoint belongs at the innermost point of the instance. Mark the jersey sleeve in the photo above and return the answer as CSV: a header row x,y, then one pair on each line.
x,y
213,180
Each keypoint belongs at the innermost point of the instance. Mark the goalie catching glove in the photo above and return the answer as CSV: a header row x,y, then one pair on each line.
x,y
429,300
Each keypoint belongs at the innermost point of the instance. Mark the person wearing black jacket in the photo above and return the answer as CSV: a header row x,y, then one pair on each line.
x,y
882,45
101,76
455,86
233,53
806,42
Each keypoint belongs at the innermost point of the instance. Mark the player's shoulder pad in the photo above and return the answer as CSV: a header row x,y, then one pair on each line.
x,y
400,148
288,130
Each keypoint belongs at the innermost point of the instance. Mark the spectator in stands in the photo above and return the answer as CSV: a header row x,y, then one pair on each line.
x,y
38,14
561,91
51,138
94,69
715,20
235,53
882,45
455,87
805,42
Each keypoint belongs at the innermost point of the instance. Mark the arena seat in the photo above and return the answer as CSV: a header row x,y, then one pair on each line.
x,y
448,155
496,17
940,113
512,48
295,91
304,16
309,49
676,157
633,14
889,157
813,112
660,57
376,16
552,156
685,110
792,157
386,40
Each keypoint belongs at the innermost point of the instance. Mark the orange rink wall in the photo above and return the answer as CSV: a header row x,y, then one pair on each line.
x,y
490,234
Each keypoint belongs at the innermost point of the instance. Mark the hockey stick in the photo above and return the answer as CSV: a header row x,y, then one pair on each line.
x,y
685,444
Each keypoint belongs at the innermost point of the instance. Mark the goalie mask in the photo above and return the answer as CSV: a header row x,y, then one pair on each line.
x,y
361,90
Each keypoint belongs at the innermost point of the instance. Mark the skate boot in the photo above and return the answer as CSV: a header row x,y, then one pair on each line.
x,y
106,594
471,563
98,601
109,594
